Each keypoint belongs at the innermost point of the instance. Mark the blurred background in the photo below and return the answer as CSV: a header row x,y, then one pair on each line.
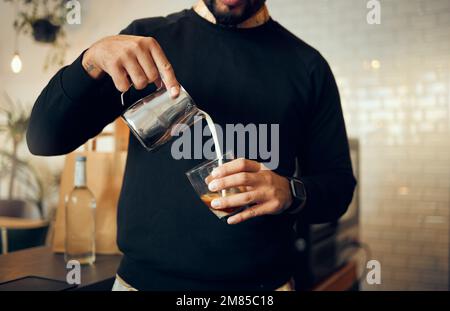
x,y
394,80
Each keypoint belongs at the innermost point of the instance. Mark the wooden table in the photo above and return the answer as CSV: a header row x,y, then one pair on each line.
x,y
343,279
41,261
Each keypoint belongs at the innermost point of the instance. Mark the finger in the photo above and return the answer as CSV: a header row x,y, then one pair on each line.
x,y
159,84
119,77
136,73
147,64
264,168
237,200
208,179
251,212
164,67
236,166
235,180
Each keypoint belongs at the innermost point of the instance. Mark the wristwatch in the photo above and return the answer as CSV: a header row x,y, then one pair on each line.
x,y
298,192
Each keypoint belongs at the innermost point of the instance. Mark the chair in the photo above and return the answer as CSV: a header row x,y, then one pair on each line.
x,y
20,233
18,208
20,226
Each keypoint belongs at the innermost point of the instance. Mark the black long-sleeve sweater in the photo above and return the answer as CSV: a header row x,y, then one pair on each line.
x,y
262,75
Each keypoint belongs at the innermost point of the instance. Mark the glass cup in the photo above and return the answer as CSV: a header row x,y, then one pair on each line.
x,y
197,176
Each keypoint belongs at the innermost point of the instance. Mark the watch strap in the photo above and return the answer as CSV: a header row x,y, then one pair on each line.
x,y
298,200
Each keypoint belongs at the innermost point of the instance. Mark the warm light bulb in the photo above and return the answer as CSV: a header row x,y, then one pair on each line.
x,y
16,63
375,64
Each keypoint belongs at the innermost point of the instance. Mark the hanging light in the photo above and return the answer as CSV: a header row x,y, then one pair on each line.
x,y
16,63
375,64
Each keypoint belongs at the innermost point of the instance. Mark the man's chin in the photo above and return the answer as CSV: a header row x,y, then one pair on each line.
x,y
235,11
231,18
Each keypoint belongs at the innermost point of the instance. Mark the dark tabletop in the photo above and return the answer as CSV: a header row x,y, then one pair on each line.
x,y
42,262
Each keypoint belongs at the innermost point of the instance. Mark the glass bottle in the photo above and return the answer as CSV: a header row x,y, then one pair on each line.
x,y
80,218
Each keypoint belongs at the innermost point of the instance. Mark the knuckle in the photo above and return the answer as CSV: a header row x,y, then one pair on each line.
x,y
241,164
270,192
244,178
118,76
247,198
140,77
151,40
153,75
167,66
123,76
114,63
268,177
128,52
123,57
134,44
252,212
142,42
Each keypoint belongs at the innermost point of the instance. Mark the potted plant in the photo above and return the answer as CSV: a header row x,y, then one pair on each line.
x,y
36,181
44,21
14,129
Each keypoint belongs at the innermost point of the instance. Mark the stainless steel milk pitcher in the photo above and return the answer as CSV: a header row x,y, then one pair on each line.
x,y
152,118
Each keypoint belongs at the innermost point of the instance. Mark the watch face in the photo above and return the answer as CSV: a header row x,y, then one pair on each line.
x,y
299,189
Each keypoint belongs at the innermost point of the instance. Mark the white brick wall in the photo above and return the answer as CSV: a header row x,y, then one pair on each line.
x,y
401,114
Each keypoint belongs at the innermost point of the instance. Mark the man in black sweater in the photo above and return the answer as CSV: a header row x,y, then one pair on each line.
x,y
241,67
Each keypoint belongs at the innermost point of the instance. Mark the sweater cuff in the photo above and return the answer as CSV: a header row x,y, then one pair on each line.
x,y
75,81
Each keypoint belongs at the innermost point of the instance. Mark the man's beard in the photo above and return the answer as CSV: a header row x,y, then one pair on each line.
x,y
233,19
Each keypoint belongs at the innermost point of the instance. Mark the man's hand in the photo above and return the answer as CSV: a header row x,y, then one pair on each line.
x,y
266,192
140,59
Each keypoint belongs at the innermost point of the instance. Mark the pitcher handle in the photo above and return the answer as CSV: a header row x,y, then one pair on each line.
x,y
131,85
